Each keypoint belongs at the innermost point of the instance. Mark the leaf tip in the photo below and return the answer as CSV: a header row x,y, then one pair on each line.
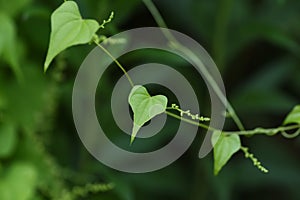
x,y
131,140
45,69
47,63
216,172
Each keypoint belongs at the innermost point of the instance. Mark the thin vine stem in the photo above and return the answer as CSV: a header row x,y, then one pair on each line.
x,y
220,31
160,21
266,131
175,43
290,136
270,131
117,62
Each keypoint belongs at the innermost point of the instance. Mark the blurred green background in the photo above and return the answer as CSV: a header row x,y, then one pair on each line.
x,y
255,44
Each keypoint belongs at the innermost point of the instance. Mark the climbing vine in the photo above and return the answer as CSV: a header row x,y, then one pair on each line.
x,y
68,28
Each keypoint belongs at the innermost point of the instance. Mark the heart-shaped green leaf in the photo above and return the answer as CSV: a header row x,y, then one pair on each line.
x,y
68,29
224,147
293,116
144,107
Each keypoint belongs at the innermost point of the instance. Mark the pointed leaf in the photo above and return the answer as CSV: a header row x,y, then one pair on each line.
x,y
8,43
144,107
68,29
293,116
225,146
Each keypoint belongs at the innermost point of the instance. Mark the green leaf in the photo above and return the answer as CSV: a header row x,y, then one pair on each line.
x,y
144,107
35,91
8,43
224,147
19,182
293,116
68,29
8,139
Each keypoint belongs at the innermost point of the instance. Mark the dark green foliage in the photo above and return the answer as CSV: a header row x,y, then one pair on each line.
x,y
256,46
